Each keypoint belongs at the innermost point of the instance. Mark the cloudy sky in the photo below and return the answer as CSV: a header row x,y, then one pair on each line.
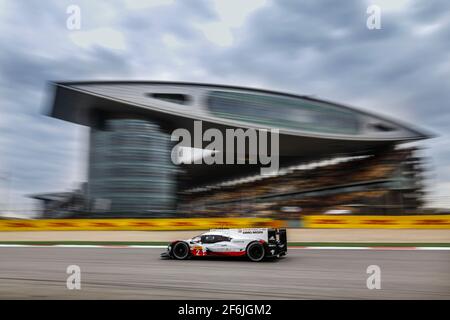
x,y
309,47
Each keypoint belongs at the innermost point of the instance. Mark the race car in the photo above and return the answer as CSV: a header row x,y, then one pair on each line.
x,y
254,243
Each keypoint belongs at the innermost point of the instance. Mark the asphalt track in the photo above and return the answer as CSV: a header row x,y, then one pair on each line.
x,y
139,273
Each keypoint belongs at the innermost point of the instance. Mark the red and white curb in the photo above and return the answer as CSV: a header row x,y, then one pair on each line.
x,y
163,247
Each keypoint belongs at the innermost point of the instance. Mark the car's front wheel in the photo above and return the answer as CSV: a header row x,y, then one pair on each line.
x,y
180,250
256,251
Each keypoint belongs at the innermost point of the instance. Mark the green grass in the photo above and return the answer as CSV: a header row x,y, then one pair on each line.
x,y
303,244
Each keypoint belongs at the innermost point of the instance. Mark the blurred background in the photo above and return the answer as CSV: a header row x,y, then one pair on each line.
x,y
90,92
400,71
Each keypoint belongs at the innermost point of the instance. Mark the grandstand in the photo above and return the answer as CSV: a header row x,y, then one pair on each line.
x,y
333,158
384,183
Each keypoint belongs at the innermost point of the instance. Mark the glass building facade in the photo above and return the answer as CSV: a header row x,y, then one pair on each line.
x,y
283,112
130,170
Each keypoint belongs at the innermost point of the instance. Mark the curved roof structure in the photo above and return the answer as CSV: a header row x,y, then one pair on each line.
x,y
309,127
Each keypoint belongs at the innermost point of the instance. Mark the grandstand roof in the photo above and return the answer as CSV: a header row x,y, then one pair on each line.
x,y
310,128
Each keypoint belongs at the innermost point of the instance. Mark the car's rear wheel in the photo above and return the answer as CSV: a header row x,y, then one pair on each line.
x,y
180,250
256,251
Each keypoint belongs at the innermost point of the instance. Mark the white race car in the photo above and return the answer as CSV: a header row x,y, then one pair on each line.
x,y
255,243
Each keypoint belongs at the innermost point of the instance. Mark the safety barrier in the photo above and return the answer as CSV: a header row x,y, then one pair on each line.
x,y
315,221
135,224
378,222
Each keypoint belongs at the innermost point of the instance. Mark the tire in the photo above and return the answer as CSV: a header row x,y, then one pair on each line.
x,y
256,251
180,250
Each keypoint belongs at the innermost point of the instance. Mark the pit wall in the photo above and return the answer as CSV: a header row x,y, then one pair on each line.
x,y
316,221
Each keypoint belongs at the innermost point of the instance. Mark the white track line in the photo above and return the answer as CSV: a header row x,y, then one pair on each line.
x,y
149,246
163,247
433,248
370,248
328,248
